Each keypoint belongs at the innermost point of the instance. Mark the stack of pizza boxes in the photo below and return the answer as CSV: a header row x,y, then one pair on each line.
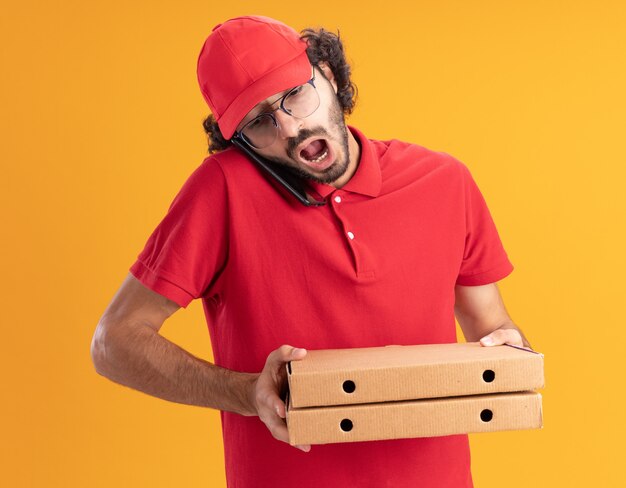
x,y
393,392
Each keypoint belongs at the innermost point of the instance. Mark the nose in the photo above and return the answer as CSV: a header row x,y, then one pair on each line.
x,y
288,126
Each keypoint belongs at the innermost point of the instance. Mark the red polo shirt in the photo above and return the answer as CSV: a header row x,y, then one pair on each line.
x,y
376,265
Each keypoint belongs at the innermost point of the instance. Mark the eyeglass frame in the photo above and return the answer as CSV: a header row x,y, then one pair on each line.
x,y
241,136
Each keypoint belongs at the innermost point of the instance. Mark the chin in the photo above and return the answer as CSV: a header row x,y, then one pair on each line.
x,y
329,175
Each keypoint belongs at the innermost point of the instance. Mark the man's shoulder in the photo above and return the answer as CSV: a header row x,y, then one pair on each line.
x,y
225,166
229,159
230,174
213,175
397,155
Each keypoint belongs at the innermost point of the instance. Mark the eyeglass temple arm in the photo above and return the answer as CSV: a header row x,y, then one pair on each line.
x,y
294,187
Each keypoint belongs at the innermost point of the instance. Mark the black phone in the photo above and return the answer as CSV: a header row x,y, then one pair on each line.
x,y
287,180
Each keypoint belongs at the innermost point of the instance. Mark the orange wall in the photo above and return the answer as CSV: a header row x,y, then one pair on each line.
x,y
101,125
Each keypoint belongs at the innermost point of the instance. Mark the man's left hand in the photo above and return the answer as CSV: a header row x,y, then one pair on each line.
x,y
503,336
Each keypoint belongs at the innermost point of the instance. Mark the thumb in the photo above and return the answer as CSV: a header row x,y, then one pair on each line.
x,y
284,354
298,353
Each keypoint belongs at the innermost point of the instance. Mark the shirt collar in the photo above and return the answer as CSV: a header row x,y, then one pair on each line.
x,y
366,180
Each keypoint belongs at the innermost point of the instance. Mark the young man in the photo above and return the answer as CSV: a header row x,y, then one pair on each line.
x,y
403,241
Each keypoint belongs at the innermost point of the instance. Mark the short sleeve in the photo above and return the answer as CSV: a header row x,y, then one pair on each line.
x,y
484,258
185,254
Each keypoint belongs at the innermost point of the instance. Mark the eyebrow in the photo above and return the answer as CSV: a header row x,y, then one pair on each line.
x,y
263,106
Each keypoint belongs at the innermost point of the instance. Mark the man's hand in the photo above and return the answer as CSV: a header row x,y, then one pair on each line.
x,y
483,317
268,387
503,335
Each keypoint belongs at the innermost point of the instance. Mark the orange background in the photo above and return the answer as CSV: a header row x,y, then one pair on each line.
x,y
101,125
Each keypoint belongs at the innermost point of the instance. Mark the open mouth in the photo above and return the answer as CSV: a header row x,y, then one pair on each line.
x,y
315,152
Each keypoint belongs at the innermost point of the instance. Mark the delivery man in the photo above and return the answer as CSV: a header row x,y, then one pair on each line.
x,y
373,243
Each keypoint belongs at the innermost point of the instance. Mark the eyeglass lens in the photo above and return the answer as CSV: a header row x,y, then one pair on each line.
x,y
300,102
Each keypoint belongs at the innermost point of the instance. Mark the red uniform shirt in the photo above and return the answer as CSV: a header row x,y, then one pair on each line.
x,y
376,265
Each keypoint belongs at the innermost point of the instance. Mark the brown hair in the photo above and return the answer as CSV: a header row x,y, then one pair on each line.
x,y
322,46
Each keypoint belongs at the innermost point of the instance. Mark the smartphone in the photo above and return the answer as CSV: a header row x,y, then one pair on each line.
x,y
287,180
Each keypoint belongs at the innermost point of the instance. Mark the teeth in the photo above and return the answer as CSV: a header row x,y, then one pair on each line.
x,y
320,157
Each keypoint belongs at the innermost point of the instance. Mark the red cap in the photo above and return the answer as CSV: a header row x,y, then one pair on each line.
x,y
244,61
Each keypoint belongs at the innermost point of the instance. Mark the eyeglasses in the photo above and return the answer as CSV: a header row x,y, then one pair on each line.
x,y
300,102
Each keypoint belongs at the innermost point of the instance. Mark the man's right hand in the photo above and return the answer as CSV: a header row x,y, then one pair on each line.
x,y
267,388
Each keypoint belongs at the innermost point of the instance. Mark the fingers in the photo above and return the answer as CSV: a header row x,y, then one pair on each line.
x,y
503,336
272,413
273,379
278,428
270,407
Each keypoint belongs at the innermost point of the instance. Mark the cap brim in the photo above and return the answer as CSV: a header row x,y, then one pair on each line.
x,y
293,73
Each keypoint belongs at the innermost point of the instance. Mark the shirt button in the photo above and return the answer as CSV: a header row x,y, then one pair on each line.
x,y
338,199
350,235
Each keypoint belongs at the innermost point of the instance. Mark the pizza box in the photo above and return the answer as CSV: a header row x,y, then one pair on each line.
x,y
395,373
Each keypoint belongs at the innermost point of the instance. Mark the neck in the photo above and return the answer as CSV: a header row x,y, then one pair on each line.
x,y
354,151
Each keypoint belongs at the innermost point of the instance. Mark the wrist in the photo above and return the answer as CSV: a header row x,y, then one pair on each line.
x,y
249,395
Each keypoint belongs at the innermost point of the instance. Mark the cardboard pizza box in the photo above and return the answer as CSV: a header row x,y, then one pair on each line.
x,y
417,418
394,373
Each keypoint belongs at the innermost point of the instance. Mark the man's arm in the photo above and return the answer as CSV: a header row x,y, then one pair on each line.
x,y
128,349
482,316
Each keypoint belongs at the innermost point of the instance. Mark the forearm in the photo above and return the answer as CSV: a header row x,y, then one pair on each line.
x,y
142,359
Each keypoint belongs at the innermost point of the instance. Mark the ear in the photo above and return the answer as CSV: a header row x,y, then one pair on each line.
x,y
328,73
